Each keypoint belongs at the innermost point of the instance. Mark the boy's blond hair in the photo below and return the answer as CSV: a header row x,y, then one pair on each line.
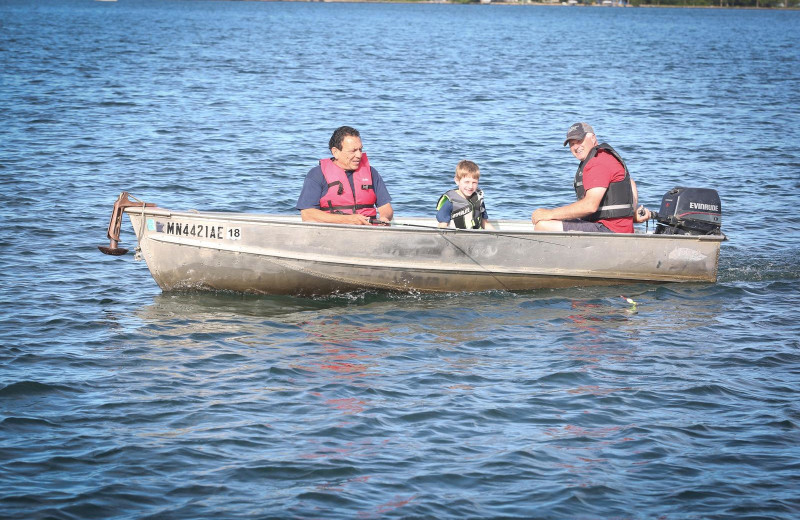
x,y
467,169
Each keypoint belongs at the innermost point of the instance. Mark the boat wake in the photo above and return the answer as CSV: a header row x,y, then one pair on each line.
x,y
744,266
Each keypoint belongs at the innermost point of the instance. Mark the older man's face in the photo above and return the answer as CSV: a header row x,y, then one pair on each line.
x,y
581,148
349,157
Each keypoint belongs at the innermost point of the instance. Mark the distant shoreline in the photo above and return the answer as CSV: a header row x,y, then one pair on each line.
x,y
540,4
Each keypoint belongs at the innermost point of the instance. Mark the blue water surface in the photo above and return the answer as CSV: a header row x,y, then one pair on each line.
x,y
118,401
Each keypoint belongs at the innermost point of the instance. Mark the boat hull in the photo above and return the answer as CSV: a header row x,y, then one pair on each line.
x,y
281,255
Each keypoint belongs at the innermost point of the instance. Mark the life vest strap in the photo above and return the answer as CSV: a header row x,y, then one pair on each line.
x,y
334,183
616,206
330,208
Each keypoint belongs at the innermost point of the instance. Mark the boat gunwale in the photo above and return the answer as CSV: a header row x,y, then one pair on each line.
x,y
408,225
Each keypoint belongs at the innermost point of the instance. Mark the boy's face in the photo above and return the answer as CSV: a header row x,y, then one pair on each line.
x,y
467,185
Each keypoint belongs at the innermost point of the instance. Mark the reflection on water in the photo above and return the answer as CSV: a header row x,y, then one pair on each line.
x,y
592,314
189,303
360,341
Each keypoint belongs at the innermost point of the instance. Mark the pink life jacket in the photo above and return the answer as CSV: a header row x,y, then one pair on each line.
x,y
340,197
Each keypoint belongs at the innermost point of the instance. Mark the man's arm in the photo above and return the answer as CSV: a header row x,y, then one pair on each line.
x,y
578,209
317,215
385,212
641,214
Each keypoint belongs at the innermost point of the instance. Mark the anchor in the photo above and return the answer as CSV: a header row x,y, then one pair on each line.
x,y
116,222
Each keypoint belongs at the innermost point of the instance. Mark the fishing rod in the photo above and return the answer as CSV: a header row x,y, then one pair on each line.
x,y
444,231
379,222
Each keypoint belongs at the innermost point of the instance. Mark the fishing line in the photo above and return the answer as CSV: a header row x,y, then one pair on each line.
x,y
452,230
444,231
475,261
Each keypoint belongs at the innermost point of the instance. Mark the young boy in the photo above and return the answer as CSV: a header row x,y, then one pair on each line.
x,y
464,205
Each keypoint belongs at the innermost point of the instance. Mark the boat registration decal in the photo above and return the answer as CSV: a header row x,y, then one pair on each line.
x,y
181,229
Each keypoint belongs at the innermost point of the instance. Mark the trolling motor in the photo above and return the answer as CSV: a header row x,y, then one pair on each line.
x,y
116,222
689,211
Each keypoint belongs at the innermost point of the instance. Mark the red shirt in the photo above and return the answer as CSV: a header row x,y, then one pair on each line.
x,y
599,173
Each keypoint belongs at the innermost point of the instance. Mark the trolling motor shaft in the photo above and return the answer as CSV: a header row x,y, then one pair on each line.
x,y
116,222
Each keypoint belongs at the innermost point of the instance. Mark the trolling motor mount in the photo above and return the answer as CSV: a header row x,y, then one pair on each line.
x,y
116,222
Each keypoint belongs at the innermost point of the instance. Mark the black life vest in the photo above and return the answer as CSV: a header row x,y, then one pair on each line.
x,y
618,199
466,213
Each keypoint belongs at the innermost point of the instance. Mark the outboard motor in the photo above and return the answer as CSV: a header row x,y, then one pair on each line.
x,y
689,211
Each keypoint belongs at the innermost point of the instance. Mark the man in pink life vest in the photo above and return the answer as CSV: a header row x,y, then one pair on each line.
x,y
344,189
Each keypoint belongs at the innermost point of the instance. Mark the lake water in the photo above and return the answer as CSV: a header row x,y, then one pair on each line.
x,y
118,401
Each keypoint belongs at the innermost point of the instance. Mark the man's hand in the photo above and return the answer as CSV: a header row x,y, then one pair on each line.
x,y
642,215
358,220
540,214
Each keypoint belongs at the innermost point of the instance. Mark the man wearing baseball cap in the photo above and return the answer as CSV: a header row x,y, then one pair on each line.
x,y
606,193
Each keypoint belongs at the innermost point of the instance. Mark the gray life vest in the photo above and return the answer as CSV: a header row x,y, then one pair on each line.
x,y
467,213
618,199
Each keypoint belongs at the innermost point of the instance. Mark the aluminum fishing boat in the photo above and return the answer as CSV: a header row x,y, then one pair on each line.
x,y
280,254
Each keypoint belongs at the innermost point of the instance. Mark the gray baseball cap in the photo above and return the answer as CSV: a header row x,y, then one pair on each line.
x,y
578,131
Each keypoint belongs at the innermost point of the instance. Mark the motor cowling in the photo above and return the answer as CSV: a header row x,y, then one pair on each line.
x,y
689,211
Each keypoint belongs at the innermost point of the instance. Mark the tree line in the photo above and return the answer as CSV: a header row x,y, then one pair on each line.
x,y
717,3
